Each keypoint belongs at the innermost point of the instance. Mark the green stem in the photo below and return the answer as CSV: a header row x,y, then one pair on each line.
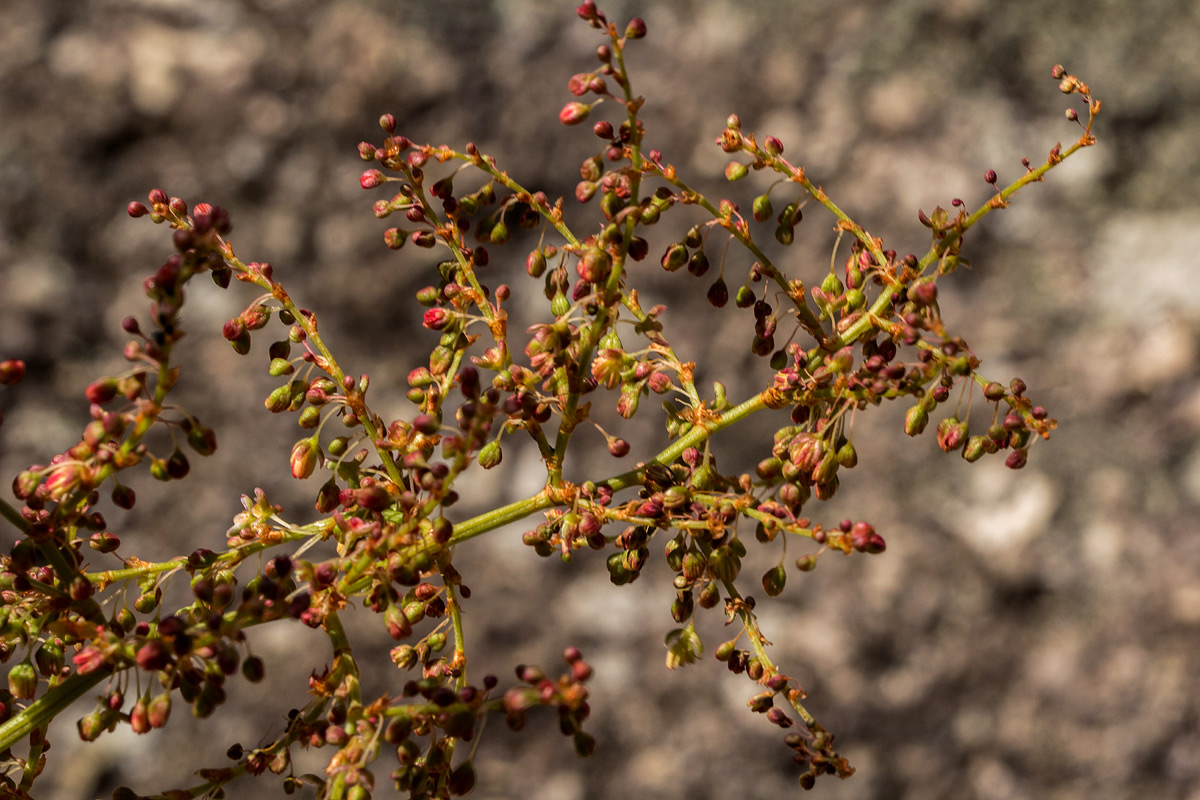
x,y
40,712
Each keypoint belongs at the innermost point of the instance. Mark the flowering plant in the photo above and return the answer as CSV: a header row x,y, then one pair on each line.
x,y
865,331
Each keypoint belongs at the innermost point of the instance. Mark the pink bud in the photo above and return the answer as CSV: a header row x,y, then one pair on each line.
x,y
573,113
370,179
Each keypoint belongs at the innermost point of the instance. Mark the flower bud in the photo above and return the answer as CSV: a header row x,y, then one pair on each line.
x,y
490,455
574,113
951,434
371,179
374,498
305,455
158,711
618,447
735,171
23,681
595,266
915,420
636,28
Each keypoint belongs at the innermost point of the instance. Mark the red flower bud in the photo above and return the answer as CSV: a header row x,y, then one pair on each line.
x,y
370,179
573,113
305,456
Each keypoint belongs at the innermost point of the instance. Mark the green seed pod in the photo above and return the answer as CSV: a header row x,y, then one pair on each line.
x,y
559,305
499,233
535,263
847,456
23,681
832,285
490,455
723,564
735,171
774,580
761,208
785,234
675,257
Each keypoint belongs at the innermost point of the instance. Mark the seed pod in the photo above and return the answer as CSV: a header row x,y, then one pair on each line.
x,y
774,580
735,171
23,681
761,208
951,434
675,257
718,293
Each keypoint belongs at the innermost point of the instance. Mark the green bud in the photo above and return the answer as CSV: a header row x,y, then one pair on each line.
x,y
735,171
490,455
832,285
559,305
23,681
675,257
499,233
280,366
847,456
915,420
762,208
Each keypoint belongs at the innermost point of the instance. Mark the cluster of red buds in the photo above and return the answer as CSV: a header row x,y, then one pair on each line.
x,y
836,343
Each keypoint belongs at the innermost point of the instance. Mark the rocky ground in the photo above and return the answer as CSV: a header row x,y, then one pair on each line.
x,y
1026,635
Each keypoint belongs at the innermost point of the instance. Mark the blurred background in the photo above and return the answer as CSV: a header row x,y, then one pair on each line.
x,y
1031,634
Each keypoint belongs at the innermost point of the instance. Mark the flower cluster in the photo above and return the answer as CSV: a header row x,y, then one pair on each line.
x,y
867,331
